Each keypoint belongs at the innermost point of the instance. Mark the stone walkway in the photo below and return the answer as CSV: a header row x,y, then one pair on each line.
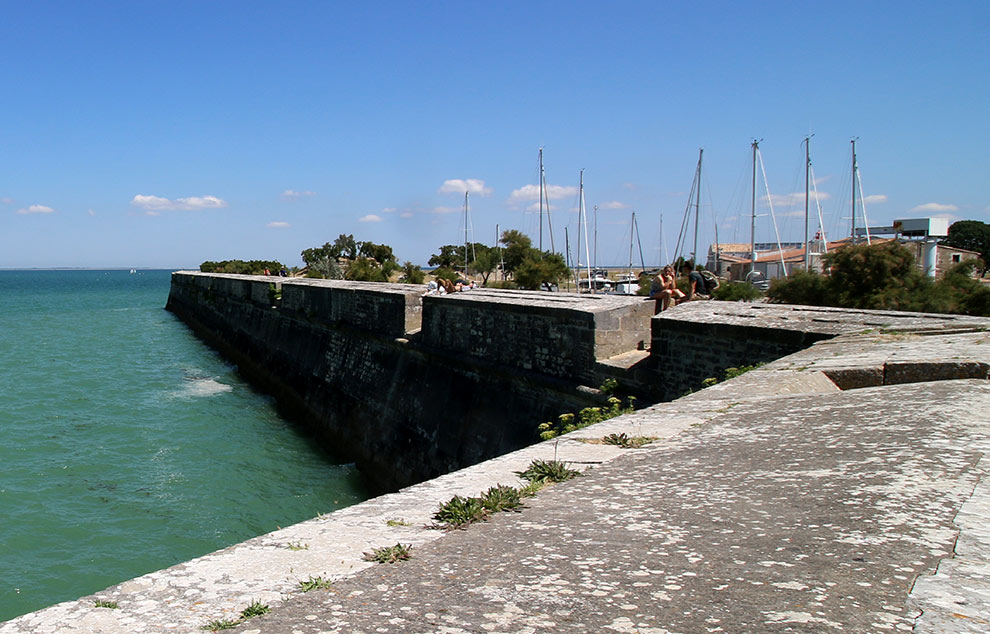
x,y
774,502
804,513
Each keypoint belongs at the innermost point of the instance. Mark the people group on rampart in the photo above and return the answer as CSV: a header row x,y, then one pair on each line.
x,y
664,290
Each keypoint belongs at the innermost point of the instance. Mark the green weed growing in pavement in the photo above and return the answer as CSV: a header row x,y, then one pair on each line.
x,y
103,603
315,583
388,554
547,471
460,511
257,608
569,422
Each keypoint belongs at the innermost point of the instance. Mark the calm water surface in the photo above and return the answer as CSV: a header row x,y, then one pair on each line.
x,y
127,445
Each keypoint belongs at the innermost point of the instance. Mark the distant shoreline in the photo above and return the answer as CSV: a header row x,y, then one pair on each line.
x,y
94,268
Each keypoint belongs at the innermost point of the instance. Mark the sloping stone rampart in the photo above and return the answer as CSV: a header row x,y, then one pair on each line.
x,y
772,502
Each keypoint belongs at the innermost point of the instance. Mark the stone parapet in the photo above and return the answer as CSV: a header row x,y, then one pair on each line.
x,y
391,310
557,334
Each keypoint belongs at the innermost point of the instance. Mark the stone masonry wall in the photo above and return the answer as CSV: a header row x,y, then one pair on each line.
x,y
405,406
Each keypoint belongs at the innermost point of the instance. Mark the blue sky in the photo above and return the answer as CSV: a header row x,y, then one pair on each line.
x,y
162,134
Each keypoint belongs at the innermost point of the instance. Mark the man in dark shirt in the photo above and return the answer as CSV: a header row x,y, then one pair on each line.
x,y
697,289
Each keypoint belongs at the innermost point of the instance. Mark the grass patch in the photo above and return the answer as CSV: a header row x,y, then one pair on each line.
x,y
297,546
388,554
547,472
627,442
103,603
315,583
730,373
397,522
257,608
501,498
221,624
459,511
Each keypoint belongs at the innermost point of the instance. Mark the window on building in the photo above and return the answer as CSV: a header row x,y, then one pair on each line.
x,y
955,258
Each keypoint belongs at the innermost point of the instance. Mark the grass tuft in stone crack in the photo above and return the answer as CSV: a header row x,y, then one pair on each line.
x,y
626,442
257,608
501,498
388,554
459,511
221,624
103,603
315,583
547,471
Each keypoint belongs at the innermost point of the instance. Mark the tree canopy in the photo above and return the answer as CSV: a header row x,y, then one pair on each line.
x,y
883,276
972,235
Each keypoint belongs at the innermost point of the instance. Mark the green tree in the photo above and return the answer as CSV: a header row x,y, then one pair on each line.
x,y
517,247
412,274
451,256
972,235
485,264
381,253
538,269
345,246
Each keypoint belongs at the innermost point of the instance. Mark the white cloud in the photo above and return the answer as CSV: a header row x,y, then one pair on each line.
x,y
193,203
278,225
406,214
7,201
291,194
152,213
459,186
370,218
91,212
797,198
873,199
630,186
388,210
935,207
527,193
35,209
613,205
445,210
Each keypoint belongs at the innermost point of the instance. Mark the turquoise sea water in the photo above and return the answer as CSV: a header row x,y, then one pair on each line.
x,y
127,445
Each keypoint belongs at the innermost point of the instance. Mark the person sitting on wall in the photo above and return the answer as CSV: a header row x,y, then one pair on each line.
x,y
448,286
697,288
663,289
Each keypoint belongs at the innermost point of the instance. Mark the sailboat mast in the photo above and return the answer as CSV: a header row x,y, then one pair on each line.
x,y
596,236
541,199
852,234
583,214
697,209
632,225
752,227
466,232
807,192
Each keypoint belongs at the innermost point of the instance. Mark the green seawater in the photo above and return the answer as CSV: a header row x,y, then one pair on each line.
x,y
127,445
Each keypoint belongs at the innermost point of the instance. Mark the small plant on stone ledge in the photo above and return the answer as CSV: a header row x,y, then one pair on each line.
x,y
103,603
567,423
257,608
460,511
388,554
501,498
221,624
315,583
545,472
624,441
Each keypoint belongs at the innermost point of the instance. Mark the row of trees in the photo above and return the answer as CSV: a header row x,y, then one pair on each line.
x,y
885,277
250,267
367,261
347,258
528,267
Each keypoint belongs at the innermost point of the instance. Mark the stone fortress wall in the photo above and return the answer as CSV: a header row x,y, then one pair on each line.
x,y
321,332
